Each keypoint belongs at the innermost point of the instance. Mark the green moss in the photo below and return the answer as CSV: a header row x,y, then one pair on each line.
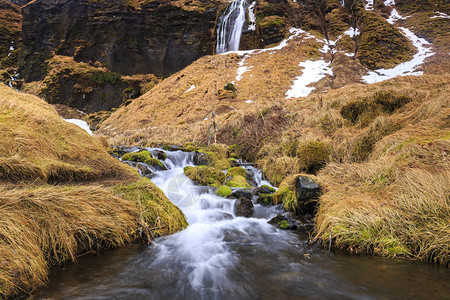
x,y
272,21
283,224
156,210
236,171
223,191
218,156
266,199
287,198
238,181
203,175
105,77
271,189
230,87
144,157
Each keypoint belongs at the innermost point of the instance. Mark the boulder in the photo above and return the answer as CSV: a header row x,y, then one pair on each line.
x,y
238,194
307,191
243,207
201,159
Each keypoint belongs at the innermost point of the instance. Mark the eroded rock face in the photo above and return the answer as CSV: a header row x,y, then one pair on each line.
x,y
158,37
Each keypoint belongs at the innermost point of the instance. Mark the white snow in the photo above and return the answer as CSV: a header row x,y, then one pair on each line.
x,y
252,17
369,5
440,15
313,71
190,89
389,2
80,123
394,17
352,32
406,68
249,101
242,69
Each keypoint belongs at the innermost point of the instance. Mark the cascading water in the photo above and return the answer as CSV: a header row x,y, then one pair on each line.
x,y
221,256
230,27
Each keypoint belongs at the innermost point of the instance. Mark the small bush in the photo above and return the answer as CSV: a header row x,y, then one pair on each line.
x,y
230,87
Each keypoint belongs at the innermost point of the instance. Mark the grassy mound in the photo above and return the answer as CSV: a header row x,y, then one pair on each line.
x,y
44,225
238,181
223,191
38,145
145,157
234,171
205,175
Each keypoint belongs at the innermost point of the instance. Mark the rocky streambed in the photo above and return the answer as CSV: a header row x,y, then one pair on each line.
x,y
230,250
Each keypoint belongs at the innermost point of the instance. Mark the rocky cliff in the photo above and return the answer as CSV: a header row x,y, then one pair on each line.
x,y
128,37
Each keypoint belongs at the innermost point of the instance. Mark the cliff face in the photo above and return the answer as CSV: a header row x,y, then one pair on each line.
x,y
10,24
158,37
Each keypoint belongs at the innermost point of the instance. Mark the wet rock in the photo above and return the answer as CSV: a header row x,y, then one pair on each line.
x,y
265,199
243,207
308,191
283,222
143,169
201,159
265,189
161,155
238,194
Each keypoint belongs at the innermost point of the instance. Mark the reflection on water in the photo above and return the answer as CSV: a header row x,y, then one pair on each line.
x,y
221,256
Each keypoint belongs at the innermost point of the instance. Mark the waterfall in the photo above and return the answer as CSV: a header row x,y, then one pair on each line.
x,y
230,27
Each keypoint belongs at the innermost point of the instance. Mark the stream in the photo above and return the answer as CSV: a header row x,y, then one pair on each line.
x,y
221,256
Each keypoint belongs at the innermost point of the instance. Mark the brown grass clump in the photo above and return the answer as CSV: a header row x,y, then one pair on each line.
x,y
380,209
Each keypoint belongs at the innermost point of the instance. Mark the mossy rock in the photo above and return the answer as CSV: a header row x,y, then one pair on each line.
x,y
144,157
157,210
238,181
268,188
217,156
236,171
223,191
265,199
204,175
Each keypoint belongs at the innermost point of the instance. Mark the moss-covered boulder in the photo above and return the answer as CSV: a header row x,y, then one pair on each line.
x,y
238,181
217,156
157,212
144,157
204,175
265,199
236,171
223,191
298,193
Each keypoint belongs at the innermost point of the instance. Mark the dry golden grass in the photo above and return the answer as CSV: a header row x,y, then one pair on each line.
x,y
42,226
36,144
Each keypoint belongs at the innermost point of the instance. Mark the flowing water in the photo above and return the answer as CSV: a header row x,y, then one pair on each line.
x,y
230,26
221,256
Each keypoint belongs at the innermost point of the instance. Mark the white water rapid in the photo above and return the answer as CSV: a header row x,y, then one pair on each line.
x,y
230,27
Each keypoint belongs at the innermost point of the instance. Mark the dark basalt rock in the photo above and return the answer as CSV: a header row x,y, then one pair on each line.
x,y
289,221
243,207
201,159
283,222
308,192
242,193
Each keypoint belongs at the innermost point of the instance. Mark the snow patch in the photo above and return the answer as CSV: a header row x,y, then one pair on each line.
x,y
394,17
440,15
369,5
190,89
80,123
313,71
406,68
352,32
249,101
389,2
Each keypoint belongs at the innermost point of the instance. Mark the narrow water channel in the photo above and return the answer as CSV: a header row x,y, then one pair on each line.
x,y
221,256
